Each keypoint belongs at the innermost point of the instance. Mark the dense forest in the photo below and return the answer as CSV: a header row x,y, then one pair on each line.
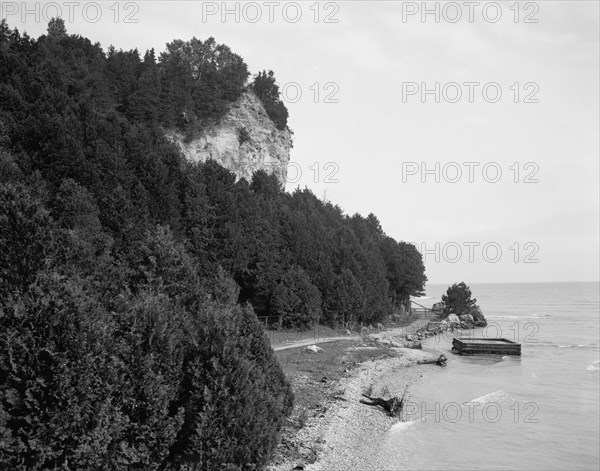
x,y
131,279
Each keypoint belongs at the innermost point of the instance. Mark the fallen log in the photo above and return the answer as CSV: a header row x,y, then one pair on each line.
x,y
393,406
441,361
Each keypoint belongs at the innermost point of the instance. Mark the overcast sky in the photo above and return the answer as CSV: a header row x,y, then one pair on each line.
x,y
370,135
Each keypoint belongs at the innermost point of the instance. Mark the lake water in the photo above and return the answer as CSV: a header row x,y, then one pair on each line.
x,y
539,411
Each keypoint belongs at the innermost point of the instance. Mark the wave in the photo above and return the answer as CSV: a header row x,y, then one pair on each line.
x,y
401,426
496,396
581,345
548,344
594,366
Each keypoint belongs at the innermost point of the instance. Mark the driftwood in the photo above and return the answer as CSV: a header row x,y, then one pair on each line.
x,y
393,406
441,361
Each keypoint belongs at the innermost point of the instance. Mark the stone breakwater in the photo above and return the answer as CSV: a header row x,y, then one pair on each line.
x,y
413,338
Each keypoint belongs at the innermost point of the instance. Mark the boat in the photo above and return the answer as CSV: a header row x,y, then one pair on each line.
x,y
474,346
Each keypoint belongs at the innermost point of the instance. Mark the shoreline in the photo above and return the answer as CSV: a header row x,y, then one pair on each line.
x,y
348,434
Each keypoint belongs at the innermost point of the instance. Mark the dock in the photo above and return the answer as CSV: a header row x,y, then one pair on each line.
x,y
473,346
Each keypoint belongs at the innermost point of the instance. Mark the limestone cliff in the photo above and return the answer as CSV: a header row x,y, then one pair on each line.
x,y
243,141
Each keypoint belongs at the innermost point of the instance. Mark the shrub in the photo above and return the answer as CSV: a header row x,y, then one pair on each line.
x,y
267,90
243,135
153,383
60,387
458,299
234,393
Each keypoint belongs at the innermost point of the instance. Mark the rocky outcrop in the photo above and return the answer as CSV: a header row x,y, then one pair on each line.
x,y
243,141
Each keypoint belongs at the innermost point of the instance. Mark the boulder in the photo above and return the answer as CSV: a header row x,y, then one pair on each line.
x,y
416,345
314,349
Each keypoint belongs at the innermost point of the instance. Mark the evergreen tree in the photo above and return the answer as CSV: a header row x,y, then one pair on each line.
x,y
266,88
458,299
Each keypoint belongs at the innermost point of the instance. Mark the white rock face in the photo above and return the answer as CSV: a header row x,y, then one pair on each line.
x,y
266,148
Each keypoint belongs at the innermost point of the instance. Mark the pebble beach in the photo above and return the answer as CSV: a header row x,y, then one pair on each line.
x,y
350,434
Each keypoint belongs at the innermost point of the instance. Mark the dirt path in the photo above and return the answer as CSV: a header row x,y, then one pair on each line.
x,y
394,331
307,342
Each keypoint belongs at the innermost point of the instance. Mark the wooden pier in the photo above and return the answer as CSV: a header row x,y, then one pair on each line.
x,y
473,346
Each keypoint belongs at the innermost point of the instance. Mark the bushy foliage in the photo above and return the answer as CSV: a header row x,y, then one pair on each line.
x,y
266,88
166,377
200,78
297,300
344,301
233,410
458,299
243,136
25,237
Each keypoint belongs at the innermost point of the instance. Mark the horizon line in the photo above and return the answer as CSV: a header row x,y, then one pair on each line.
x,y
512,282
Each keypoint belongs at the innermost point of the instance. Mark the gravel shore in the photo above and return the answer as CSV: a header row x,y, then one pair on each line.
x,y
350,434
